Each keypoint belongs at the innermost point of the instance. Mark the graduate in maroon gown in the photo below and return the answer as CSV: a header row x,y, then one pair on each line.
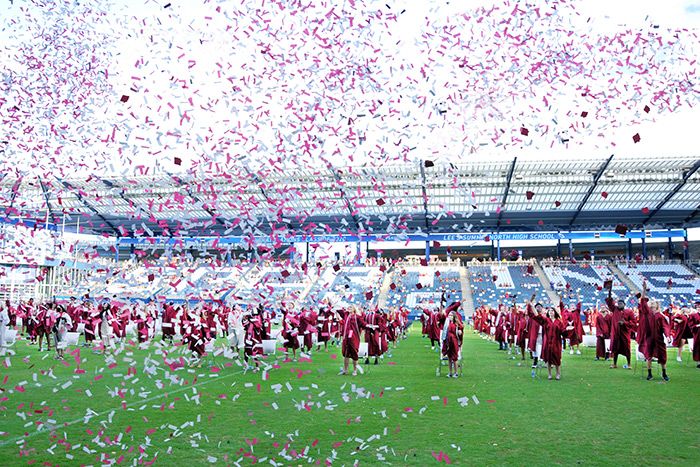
x,y
351,327
681,331
520,329
168,323
307,327
535,334
573,318
451,346
195,336
290,331
324,322
622,322
40,328
602,332
372,336
252,343
435,321
657,330
694,325
500,317
554,328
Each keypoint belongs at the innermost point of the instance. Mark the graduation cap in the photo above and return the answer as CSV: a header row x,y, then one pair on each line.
x,y
604,194
423,262
124,98
647,109
584,114
487,238
151,277
529,195
636,138
437,273
557,203
419,285
524,131
178,161
645,210
336,267
380,202
285,273
392,286
621,229
369,295
436,244
428,164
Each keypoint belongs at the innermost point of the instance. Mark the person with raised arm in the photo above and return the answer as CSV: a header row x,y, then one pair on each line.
x,y
452,344
535,332
621,324
573,317
553,328
657,332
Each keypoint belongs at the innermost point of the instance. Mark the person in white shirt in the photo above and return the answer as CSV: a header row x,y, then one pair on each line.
x,y
4,322
60,330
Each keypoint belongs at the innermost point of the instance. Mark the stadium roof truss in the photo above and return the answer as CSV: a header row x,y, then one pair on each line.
x,y
508,194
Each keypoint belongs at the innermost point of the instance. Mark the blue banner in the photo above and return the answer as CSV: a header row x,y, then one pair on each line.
x,y
214,242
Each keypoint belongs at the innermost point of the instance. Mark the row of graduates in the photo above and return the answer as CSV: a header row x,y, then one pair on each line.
x,y
543,330
379,330
444,327
245,328
616,325
102,319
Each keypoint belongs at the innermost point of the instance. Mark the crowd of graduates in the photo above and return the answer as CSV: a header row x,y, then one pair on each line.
x,y
543,331
540,331
104,323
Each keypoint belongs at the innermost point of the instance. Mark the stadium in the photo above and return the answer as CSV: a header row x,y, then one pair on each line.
x,y
358,234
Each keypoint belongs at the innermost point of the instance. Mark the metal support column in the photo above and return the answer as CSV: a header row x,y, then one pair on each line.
x,y
571,250
629,249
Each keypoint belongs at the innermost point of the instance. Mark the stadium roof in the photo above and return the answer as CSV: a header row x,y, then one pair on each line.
x,y
469,195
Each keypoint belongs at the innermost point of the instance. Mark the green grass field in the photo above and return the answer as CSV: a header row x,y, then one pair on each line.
x,y
134,409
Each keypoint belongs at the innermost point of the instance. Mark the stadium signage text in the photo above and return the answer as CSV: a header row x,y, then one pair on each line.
x,y
453,237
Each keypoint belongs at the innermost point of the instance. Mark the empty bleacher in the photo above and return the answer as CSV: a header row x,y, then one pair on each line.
x,y
682,288
585,280
502,282
424,285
